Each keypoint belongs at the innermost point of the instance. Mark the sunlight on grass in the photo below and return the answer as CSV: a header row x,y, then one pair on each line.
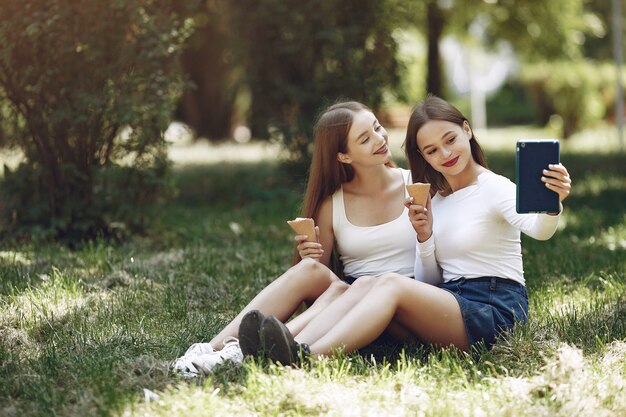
x,y
569,384
613,238
600,139
50,301
41,308
203,152
595,288
15,257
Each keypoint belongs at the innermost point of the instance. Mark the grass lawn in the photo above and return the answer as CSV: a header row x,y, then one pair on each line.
x,y
91,331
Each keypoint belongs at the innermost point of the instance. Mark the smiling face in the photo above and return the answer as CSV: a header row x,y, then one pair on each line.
x,y
367,141
445,146
434,122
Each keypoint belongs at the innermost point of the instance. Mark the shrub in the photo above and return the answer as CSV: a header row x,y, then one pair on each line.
x,y
510,105
91,87
579,92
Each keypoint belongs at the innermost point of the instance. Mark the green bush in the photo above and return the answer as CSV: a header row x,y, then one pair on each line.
x,y
580,93
91,86
511,105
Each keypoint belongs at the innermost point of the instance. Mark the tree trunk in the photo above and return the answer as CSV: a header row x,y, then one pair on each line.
x,y
208,106
435,23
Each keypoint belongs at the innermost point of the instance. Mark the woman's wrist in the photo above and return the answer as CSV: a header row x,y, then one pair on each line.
x,y
423,239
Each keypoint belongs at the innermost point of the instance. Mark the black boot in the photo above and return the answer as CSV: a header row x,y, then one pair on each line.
x,y
249,333
279,344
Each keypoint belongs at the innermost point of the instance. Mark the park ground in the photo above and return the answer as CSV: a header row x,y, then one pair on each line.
x,y
91,330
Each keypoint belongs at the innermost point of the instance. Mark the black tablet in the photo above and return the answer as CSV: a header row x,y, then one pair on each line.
x,y
532,157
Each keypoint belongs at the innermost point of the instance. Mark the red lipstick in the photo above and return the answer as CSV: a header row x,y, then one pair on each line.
x,y
451,162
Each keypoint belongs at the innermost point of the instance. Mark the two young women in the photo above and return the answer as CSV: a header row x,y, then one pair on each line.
x,y
356,196
468,241
468,244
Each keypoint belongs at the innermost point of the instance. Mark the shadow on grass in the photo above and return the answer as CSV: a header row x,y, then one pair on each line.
x,y
97,357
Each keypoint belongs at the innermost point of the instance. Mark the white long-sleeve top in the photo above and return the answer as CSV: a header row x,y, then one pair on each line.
x,y
476,233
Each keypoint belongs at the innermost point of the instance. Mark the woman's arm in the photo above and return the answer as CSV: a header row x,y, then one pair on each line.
x,y
426,268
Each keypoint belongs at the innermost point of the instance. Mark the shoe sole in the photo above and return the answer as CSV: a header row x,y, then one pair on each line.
x,y
249,333
276,343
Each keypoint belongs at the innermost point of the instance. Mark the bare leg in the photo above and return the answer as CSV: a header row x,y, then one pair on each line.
x,y
431,313
326,319
305,281
336,289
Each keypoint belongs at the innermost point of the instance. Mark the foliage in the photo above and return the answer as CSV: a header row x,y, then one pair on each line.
x,y
579,93
511,105
599,15
301,56
522,24
537,29
91,86
411,58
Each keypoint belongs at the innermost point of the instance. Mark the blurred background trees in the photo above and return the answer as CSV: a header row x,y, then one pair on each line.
x,y
300,56
87,88
286,59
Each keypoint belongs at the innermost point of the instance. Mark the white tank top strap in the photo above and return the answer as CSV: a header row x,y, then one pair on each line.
x,y
406,176
339,210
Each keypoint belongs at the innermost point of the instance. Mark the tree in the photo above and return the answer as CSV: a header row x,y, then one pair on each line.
x,y
537,29
599,15
91,86
299,56
435,21
208,61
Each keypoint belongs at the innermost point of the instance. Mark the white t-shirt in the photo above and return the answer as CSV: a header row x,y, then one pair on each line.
x,y
476,233
374,250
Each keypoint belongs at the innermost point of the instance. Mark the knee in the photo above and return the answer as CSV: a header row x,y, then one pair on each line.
x,y
390,280
308,266
338,287
312,272
364,282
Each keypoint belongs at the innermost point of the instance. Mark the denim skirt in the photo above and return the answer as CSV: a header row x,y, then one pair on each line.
x,y
489,306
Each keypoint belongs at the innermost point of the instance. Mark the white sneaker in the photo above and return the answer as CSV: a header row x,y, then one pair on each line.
x,y
199,349
185,367
184,364
230,352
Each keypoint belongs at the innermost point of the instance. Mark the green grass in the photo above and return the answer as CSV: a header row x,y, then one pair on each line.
x,y
84,332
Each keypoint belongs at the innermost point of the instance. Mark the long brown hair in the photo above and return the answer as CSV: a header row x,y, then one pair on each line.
x,y
326,173
434,108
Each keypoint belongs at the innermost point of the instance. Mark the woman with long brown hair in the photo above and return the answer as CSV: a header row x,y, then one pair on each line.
x,y
356,196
